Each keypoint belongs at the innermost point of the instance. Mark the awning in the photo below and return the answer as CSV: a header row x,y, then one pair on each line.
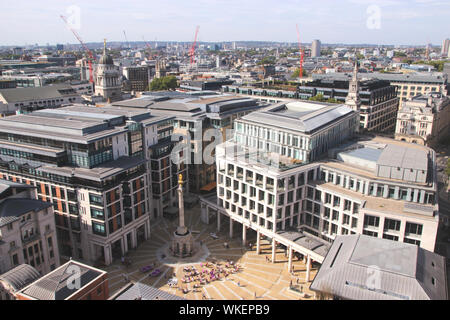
x,y
209,187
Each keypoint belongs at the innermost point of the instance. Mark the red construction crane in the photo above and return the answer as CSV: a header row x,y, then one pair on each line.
x,y
192,50
149,47
91,56
302,54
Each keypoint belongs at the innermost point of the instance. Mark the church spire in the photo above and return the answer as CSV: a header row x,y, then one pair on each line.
x,y
353,101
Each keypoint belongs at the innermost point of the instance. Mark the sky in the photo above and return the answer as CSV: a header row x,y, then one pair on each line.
x,y
397,22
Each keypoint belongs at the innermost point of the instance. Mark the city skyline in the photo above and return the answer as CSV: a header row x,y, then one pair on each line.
x,y
384,22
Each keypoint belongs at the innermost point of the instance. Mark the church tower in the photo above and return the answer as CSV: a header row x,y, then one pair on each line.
x,y
353,101
107,82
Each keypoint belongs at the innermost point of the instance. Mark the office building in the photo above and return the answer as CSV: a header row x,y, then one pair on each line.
x,y
27,226
445,47
408,85
360,267
71,281
91,163
193,115
138,77
315,49
24,100
425,119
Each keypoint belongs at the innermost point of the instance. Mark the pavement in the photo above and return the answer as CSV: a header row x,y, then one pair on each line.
x,y
256,280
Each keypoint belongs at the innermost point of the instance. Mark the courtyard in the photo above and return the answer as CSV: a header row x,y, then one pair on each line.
x,y
246,275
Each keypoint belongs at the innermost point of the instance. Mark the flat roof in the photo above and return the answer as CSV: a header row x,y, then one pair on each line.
x,y
299,116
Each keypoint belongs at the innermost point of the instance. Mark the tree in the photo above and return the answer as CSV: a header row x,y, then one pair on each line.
x,y
447,170
297,72
267,60
163,83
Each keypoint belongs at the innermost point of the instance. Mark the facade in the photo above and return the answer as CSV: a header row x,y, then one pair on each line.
x,y
408,85
83,87
108,82
292,166
360,267
193,116
92,164
445,47
15,279
92,284
138,77
23,100
377,98
315,49
425,119
160,69
27,228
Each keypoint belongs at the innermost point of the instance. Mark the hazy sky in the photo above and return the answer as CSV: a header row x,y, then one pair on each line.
x,y
331,21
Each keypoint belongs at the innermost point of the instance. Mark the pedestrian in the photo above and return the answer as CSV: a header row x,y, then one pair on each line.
x,y
301,288
239,283
297,280
255,294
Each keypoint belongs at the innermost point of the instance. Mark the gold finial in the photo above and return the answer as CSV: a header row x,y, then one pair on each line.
x,y
180,179
104,46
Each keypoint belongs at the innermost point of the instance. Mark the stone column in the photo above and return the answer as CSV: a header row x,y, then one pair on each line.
x,y
290,260
207,215
274,249
218,220
308,268
258,242
125,243
244,235
231,228
108,254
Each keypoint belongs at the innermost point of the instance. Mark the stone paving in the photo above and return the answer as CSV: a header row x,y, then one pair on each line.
x,y
256,280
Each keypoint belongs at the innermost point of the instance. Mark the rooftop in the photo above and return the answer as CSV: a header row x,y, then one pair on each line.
x,y
20,276
299,116
55,285
360,267
37,93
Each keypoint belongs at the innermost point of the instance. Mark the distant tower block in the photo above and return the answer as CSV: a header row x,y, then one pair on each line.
x,y
182,241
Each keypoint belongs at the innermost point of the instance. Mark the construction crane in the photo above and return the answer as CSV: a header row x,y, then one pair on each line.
x,y
149,47
300,73
91,56
126,39
192,50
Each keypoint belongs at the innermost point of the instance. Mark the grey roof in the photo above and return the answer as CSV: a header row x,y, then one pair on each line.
x,y
20,276
37,93
370,154
437,78
403,157
12,208
361,267
5,185
145,292
100,172
54,286
299,116
307,241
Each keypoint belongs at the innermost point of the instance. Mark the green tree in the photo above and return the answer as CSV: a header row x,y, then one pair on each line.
x,y
267,60
296,73
163,83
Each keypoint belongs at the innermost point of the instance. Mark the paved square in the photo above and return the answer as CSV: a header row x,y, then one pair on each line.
x,y
256,279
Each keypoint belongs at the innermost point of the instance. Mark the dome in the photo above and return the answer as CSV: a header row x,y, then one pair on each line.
x,y
106,59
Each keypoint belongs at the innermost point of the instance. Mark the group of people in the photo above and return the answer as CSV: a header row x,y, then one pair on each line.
x,y
209,272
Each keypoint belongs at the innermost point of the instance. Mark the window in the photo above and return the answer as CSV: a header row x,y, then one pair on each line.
x,y
391,225
371,221
98,228
413,229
